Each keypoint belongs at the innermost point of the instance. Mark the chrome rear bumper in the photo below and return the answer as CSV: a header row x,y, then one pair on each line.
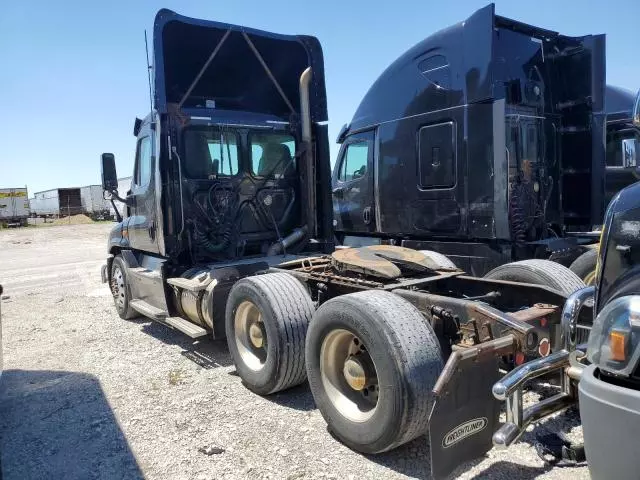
x,y
565,361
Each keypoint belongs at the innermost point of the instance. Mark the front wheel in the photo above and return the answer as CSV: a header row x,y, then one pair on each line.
x,y
372,361
120,289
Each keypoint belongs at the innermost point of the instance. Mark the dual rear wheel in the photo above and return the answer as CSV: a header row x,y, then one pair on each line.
x,y
371,358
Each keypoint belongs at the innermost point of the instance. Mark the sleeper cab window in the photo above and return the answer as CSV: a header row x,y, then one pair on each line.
x,y
354,162
272,154
143,162
210,153
437,155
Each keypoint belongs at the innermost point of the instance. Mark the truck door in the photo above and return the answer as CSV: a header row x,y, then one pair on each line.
x,y
142,226
353,195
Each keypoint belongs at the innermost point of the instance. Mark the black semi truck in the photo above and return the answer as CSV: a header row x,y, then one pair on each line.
x,y
490,141
229,233
601,375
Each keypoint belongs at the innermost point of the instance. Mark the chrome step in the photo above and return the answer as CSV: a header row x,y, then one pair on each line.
x,y
190,329
148,310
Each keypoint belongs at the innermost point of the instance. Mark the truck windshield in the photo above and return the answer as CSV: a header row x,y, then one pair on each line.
x,y
272,154
210,152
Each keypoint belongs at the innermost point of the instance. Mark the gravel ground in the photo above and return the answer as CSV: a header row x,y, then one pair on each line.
x,y
88,395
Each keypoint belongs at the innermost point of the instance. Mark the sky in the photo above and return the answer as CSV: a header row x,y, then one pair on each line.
x,y
73,75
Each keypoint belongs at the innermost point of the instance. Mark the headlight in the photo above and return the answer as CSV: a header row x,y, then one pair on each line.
x,y
614,341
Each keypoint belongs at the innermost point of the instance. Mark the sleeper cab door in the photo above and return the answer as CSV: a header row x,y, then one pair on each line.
x,y
142,225
353,205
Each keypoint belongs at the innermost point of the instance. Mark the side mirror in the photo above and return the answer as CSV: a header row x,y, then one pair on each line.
x,y
109,175
137,125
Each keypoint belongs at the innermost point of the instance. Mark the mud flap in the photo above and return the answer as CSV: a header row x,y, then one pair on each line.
x,y
464,415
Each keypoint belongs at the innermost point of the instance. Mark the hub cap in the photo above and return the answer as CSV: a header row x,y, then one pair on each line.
x,y
349,376
353,372
118,287
250,335
256,334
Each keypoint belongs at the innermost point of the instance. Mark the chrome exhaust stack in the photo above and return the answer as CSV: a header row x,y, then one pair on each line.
x,y
310,170
567,360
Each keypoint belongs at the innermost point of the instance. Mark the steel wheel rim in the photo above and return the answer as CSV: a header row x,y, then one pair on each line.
x,y
337,347
246,320
117,287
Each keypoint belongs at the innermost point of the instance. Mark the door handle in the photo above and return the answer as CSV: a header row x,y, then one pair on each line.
x,y
366,215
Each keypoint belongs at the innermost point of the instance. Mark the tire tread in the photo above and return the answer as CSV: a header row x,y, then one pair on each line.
x,y
550,273
416,349
585,263
293,309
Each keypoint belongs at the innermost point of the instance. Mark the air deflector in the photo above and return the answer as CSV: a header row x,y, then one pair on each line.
x,y
236,77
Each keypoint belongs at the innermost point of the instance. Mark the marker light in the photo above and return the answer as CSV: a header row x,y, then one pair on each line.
x,y
618,342
614,340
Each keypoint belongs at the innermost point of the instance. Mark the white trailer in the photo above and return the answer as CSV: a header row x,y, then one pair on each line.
x,y
57,202
93,202
14,206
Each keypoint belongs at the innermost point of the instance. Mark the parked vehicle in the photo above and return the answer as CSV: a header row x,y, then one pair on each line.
x,y
484,143
14,207
93,202
603,374
229,233
58,202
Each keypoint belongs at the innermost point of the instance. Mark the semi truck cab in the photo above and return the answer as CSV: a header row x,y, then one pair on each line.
x,y
231,166
483,142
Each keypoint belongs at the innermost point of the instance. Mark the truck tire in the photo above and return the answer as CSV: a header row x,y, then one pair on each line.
x,y
266,323
120,289
359,342
585,266
441,260
539,272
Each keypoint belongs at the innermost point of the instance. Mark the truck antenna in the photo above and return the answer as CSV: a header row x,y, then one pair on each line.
x,y
146,47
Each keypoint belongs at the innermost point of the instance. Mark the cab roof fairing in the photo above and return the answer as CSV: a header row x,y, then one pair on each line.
x,y
182,45
402,89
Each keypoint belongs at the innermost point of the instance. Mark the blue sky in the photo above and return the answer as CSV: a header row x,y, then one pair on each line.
x,y
73,76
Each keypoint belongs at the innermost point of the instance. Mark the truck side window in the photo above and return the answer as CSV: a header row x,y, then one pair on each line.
x,y
143,162
437,156
354,162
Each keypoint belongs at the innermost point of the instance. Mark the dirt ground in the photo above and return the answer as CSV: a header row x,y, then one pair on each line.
x,y
87,395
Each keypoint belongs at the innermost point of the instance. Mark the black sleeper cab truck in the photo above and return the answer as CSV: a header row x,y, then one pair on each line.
x,y
602,375
484,142
229,233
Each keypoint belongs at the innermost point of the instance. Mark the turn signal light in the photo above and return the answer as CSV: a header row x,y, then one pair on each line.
x,y
618,342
